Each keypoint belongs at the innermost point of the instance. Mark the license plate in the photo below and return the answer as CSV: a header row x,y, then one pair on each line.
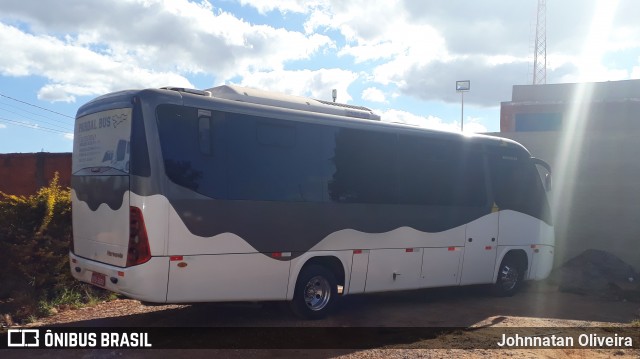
x,y
98,279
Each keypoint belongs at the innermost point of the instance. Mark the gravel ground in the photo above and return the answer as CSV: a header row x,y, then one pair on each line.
x,y
539,307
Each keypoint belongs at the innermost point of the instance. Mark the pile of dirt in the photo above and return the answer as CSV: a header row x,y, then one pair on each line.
x,y
597,272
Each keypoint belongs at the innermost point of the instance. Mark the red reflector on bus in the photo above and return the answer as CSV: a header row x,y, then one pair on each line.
x,y
409,250
488,248
120,274
533,246
357,251
73,260
450,249
276,254
175,258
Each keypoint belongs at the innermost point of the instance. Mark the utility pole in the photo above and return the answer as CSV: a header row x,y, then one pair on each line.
x,y
540,52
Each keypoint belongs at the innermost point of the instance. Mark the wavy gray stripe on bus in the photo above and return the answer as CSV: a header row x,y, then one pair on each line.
x,y
271,226
96,190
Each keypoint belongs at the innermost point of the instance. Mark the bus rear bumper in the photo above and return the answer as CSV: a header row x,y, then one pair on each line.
x,y
146,282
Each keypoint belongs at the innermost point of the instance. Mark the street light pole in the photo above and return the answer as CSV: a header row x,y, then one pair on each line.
x,y
462,87
462,112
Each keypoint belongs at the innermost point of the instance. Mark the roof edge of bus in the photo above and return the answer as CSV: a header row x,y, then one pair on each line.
x,y
501,141
89,107
282,100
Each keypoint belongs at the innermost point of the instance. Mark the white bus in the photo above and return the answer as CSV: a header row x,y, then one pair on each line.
x,y
235,194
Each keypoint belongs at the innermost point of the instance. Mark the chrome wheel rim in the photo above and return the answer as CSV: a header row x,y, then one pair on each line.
x,y
317,293
508,277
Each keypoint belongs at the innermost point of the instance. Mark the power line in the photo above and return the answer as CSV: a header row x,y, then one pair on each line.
x,y
32,126
66,127
36,106
6,103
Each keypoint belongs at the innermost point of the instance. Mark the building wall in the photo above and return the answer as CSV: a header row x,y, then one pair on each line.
x,y
594,152
618,115
25,173
596,194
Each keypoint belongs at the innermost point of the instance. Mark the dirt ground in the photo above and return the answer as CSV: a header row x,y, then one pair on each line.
x,y
459,311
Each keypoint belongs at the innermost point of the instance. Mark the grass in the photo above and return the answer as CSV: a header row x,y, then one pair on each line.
x,y
73,298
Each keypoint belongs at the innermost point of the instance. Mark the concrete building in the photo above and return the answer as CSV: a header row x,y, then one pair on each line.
x,y
590,134
607,106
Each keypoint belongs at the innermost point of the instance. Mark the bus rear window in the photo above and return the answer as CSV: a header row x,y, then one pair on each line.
x,y
102,140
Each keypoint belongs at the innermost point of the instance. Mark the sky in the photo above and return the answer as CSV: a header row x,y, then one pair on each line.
x,y
400,58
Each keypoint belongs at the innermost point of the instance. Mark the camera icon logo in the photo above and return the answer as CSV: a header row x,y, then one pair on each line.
x,y
23,338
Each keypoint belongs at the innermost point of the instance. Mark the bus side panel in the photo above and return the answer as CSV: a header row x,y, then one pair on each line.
x,y
359,265
405,245
403,237
518,229
182,242
209,273
394,269
155,212
480,250
441,266
227,277
541,262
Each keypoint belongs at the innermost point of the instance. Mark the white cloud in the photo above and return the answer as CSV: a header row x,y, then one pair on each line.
x,y
284,6
420,47
317,84
140,44
2,125
68,136
431,122
473,124
73,70
374,94
424,47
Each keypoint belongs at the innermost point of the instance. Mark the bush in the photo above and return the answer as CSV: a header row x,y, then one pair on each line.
x,y
35,234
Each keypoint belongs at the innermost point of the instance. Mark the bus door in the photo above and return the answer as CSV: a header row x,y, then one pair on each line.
x,y
481,234
480,247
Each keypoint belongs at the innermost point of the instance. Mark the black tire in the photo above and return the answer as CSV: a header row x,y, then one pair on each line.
x,y
510,277
315,294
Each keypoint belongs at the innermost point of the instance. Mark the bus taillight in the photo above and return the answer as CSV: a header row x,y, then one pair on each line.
x,y
139,251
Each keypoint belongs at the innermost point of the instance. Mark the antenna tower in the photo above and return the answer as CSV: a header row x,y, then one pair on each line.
x,y
540,52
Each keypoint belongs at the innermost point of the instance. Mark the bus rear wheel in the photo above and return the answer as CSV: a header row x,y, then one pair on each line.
x,y
315,293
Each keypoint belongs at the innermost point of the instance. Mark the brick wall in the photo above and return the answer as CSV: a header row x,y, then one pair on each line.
x,y
25,173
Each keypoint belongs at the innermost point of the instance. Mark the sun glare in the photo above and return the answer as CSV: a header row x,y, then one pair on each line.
x,y
573,134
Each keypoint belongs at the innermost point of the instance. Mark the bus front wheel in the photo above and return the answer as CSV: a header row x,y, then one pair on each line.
x,y
510,277
315,293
